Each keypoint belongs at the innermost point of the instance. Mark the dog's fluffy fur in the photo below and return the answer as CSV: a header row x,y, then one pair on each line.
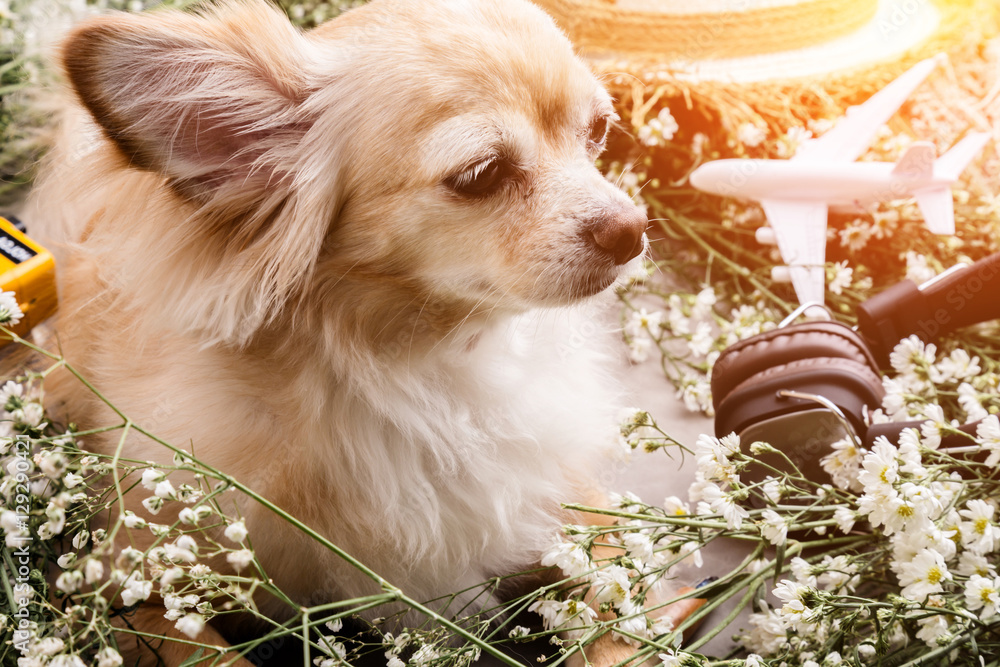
x,y
270,251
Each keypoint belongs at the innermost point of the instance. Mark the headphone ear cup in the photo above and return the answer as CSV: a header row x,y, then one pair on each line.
x,y
823,358
806,340
849,384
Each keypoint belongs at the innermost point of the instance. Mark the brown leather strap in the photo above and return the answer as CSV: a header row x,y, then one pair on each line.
x,y
966,296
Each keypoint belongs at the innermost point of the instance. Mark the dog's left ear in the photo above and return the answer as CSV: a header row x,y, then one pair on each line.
x,y
203,99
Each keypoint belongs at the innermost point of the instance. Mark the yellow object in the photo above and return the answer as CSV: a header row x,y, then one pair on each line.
x,y
29,271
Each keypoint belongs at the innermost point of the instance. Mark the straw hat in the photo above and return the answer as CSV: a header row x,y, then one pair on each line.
x,y
770,61
749,40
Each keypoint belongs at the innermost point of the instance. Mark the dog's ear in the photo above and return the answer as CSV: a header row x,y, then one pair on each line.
x,y
203,100
218,104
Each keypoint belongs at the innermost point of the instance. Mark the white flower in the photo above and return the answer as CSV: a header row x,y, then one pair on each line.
x,y
69,581
988,435
983,593
569,557
884,223
72,480
912,355
10,311
237,531
612,585
751,135
702,340
638,545
658,131
754,660
670,659
934,428
855,235
164,489
772,490
970,563
631,618
979,533
803,572
894,402
696,392
791,593
11,395
968,399
29,415
956,367
135,589
881,469
52,464
713,457
67,661
917,268
845,517
715,500
923,575
769,631
638,349
191,625
93,570
794,139
774,528
151,477
48,646
563,614
131,520
673,505
642,323
240,559
933,630
80,539
842,277
844,463
838,573
108,657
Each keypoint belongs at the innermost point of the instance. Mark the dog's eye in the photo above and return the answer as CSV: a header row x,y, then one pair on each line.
x,y
599,131
482,179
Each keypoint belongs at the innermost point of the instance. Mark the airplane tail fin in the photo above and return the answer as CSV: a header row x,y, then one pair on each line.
x,y
938,209
953,163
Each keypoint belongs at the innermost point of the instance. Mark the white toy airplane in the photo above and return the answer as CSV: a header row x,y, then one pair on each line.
x,y
797,193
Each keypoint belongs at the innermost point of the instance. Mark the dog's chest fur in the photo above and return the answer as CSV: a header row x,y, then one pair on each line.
x,y
451,468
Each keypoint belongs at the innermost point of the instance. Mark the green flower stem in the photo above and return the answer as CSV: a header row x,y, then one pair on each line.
x,y
392,590
669,520
936,656
751,591
685,223
305,637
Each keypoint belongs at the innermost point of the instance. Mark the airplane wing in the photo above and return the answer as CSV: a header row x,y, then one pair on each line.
x,y
800,228
854,132
938,209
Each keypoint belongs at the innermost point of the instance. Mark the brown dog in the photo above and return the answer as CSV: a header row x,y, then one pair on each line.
x,y
351,267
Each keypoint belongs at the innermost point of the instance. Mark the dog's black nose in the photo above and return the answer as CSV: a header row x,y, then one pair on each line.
x,y
619,234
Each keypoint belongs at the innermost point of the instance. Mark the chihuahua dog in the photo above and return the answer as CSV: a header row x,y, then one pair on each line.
x,y
349,267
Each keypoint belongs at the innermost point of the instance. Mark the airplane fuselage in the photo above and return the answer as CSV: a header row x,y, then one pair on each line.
x,y
834,184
